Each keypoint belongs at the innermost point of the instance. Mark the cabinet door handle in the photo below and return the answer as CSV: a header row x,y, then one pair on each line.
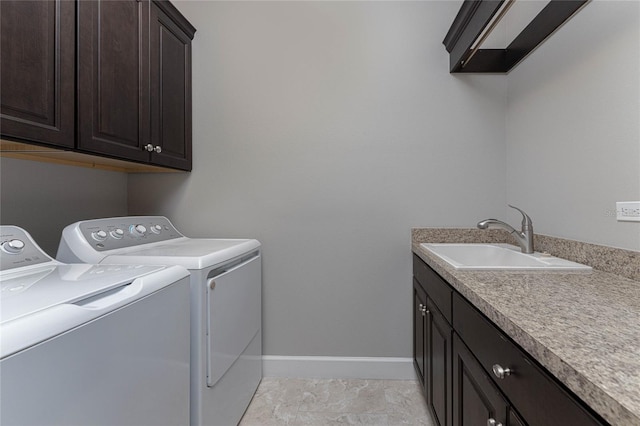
x,y
148,147
158,149
500,372
493,422
423,309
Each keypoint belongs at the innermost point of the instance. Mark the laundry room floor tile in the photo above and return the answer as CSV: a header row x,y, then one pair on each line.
x,y
316,402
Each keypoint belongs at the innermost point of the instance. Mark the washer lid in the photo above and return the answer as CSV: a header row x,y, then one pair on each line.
x,y
27,292
191,253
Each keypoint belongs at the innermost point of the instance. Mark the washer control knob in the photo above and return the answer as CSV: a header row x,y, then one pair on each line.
x,y
117,233
13,246
99,235
156,229
138,230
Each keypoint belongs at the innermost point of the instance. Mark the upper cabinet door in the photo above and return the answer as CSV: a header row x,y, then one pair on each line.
x,y
170,88
113,78
37,71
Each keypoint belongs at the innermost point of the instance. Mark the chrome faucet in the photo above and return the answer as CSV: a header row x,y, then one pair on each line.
x,y
524,237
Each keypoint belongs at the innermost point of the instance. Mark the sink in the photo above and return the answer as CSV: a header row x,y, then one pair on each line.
x,y
500,257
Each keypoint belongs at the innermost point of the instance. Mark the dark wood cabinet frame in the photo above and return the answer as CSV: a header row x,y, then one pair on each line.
x,y
455,347
66,90
37,72
475,15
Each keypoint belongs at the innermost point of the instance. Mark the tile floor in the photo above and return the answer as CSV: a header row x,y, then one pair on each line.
x,y
315,402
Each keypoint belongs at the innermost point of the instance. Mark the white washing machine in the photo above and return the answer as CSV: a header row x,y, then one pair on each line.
x,y
226,288
90,344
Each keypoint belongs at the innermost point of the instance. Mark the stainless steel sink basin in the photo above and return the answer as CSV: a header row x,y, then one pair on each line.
x,y
499,257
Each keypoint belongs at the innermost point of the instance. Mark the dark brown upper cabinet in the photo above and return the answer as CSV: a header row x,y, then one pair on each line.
x,y
476,19
37,71
113,78
127,96
170,87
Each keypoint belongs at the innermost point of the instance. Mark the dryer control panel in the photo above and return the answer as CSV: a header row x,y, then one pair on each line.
x,y
17,249
130,231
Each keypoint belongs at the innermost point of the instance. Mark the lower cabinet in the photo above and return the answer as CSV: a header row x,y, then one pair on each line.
x,y
473,374
514,420
432,340
419,330
476,400
438,354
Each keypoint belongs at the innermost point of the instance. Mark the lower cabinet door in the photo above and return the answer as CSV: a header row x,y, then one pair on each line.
x,y
439,334
419,329
515,420
476,400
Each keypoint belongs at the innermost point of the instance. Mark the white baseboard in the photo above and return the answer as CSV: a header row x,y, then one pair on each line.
x,y
329,367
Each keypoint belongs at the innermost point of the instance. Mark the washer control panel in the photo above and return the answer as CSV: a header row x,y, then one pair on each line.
x,y
17,249
121,232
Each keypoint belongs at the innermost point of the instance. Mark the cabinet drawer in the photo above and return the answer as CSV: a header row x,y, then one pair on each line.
x,y
534,392
437,289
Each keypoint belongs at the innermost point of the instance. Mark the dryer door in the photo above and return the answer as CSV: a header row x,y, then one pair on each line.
x,y
234,315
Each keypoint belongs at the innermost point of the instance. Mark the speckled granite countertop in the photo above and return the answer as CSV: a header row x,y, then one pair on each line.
x,y
583,327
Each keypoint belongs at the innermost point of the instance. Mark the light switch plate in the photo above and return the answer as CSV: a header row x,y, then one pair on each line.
x,y
628,211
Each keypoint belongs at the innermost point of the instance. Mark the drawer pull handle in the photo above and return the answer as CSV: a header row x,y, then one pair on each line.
x,y
493,422
500,372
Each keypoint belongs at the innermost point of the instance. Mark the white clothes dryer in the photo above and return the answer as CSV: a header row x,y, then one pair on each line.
x,y
226,288
90,344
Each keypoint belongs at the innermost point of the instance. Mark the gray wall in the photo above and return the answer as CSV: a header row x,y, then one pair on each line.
x,y
327,130
573,132
43,198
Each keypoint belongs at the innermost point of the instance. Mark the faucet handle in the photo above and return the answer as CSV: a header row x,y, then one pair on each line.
x,y
526,220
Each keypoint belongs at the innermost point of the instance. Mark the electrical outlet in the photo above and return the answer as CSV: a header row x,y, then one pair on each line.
x,y
628,211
